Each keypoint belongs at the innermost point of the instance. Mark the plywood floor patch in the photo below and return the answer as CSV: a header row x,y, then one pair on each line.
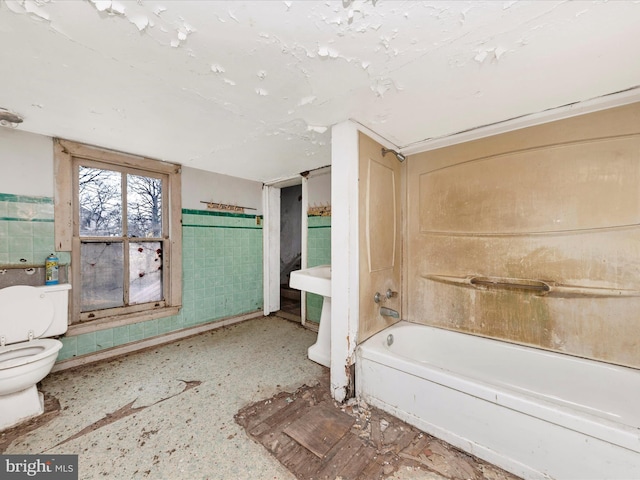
x,y
320,428
315,438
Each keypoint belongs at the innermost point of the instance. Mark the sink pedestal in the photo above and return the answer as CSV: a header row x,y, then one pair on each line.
x,y
318,280
320,352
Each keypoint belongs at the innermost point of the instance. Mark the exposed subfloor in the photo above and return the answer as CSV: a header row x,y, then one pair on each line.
x,y
168,412
315,438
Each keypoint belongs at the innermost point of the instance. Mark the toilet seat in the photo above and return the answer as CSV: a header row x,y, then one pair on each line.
x,y
18,354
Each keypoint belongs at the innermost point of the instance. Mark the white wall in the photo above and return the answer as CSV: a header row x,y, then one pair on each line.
x,y
319,188
26,163
200,185
26,168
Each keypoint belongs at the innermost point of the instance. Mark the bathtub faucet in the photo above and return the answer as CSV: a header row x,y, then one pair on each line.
x,y
387,312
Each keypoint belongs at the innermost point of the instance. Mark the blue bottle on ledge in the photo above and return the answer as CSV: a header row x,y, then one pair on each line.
x,y
51,270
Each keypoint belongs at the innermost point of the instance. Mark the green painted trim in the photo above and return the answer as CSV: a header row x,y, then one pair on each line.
x,y
218,214
319,226
15,219
9,197
221,226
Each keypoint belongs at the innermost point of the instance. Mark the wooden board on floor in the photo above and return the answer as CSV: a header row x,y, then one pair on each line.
x,y
373,445
319,430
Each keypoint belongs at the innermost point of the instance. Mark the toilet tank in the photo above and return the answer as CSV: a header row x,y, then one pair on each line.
x,y
59,296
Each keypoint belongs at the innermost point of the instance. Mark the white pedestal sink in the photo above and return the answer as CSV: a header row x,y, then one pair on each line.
x,y
317,280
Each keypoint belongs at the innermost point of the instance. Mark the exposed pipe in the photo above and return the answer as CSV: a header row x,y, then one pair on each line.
x,y
9,119
398,155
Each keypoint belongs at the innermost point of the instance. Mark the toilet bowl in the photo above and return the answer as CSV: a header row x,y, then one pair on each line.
x,y
27,316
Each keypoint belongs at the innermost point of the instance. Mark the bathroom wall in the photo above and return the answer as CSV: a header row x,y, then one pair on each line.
x,y
318,253
319,232
319,188
199,186
222,252
26,164
26,203
532,236
26,231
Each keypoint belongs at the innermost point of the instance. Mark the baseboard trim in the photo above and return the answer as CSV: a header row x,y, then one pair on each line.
x,y
113,352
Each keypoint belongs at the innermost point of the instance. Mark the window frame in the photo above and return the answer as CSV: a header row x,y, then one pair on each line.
x,y
67,155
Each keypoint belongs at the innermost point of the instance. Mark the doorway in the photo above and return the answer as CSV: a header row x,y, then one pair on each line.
x,y
290,248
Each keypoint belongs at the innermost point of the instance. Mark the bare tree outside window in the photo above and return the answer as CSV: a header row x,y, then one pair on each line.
x,y
100,195
144,206
104,266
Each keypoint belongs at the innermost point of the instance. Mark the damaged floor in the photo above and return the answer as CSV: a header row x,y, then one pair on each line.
x,y
317,439
178,411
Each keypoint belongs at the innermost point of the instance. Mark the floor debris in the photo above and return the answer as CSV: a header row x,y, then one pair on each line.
x,y
182,431
376,446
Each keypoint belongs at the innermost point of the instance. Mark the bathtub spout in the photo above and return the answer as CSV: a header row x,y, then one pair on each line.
x,y
387,312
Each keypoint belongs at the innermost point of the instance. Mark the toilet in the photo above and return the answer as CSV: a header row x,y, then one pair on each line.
x,y
28,315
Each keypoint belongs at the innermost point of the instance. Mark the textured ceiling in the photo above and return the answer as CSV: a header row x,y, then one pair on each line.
x,y
251,88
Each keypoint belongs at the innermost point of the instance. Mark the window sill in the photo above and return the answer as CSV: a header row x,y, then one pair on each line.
x,y
120,320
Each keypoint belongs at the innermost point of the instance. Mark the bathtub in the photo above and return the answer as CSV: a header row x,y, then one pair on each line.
x,y
535,413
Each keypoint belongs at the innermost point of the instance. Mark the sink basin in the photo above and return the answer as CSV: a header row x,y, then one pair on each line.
x,y
313,280
317,280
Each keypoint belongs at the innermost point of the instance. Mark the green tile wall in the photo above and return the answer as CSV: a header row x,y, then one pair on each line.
x,y
221,275
222,268
222,265
26,230
318,253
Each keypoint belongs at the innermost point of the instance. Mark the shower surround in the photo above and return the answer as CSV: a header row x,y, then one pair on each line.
x,y
522,247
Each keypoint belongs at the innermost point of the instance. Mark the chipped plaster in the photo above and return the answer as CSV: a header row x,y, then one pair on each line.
x,y
250,88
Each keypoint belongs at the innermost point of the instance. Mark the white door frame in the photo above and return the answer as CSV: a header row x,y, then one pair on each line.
x,y
271,241
270,244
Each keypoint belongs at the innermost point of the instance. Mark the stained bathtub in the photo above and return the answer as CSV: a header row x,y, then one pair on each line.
x,y
535,413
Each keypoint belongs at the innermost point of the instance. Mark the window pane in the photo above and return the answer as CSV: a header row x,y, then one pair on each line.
x,y
101,275
145,272
100,196
144,206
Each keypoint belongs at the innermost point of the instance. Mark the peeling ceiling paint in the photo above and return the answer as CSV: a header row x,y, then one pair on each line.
x,y
251,88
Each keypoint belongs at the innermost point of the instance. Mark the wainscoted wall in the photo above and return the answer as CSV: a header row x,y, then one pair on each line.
x,y
318,253
26,230
532,236
222,264
222,268
222,277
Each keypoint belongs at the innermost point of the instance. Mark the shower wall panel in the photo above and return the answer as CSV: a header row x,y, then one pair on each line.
x,y
380,227
532,236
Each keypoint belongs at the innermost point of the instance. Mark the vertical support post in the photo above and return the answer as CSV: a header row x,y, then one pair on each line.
x,y
344,257
304,251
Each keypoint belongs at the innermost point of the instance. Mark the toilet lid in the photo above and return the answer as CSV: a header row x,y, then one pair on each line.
x,y
23,309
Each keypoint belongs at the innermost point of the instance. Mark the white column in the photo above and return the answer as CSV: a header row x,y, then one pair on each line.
x,y
304,249
344,255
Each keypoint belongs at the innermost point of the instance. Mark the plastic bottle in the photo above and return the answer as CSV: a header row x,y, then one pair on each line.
x,y
51,270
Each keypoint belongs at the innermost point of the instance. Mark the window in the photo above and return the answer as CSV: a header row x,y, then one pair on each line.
x,y
119,215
